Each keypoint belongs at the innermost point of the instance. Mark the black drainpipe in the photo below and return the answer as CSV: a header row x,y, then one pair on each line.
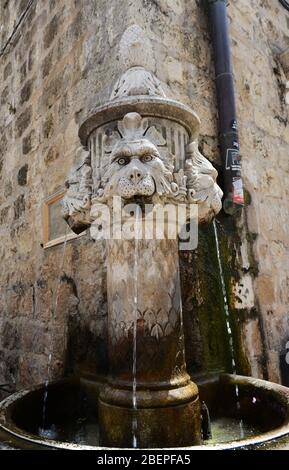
x,y
228,127
285,4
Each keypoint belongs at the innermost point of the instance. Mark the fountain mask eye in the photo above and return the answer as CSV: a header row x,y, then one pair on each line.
x,y
122,161
147,158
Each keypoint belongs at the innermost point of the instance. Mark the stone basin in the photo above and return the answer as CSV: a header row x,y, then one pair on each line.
x,y
245,413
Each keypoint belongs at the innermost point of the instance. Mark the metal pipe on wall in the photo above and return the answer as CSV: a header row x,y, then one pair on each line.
x,y
228,128
285,4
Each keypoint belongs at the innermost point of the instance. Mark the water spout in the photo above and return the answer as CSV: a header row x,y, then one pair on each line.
x,y
206,422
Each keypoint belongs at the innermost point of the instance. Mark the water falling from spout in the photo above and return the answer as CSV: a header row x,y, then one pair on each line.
x,y
181,333
54,313
227,319
135,307
225,300
46,392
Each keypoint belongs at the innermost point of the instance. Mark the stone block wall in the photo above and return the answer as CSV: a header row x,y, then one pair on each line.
x,y
61,62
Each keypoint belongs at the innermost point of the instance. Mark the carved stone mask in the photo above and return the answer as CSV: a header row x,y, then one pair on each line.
x,y
136,169
135,166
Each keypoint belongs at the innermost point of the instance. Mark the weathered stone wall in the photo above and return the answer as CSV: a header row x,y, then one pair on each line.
x,y
61,63
259,35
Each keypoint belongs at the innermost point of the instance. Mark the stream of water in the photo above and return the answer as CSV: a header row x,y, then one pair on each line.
x,y
181,334
54,314
228,326
135,308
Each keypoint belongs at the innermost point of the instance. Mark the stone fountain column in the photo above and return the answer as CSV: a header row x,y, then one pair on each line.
x,y
142,147
146,345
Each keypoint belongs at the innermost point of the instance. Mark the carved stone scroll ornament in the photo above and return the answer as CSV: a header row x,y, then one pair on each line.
x,y
201,184
76,204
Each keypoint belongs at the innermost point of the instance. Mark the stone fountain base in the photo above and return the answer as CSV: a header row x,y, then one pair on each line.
x,y
72,422
155,425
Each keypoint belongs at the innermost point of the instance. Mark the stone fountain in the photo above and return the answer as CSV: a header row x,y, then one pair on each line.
x,y
142,147
139,150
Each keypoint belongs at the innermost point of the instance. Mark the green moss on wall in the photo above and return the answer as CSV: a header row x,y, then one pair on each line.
x,y
208,349
207,305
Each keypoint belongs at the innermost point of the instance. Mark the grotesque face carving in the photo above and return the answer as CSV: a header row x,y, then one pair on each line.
x,y
134,162
135,167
